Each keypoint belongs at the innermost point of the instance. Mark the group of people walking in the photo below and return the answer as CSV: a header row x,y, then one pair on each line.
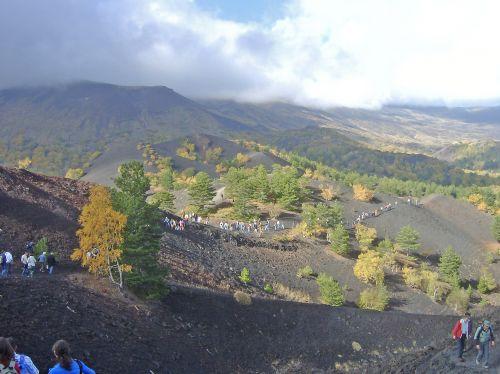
x,y
12,362
46,260
483,339
374,213
256,226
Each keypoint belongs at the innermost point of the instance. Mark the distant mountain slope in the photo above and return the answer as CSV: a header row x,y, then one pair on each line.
x,y
482,155
61,126
332,148
416,129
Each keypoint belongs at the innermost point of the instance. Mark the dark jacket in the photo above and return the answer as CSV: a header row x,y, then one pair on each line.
x,y
51,260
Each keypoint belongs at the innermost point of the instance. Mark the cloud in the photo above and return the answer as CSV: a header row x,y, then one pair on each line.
x,y
319,52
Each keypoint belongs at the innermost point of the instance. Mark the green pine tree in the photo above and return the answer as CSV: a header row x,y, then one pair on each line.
x,y
142,232
164,200
449,266
201,192
407,239
339,240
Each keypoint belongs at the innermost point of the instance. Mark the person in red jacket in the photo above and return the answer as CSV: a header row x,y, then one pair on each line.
x,y
461,332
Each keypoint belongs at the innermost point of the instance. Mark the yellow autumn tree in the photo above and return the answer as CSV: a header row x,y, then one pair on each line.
x,y
328,192
24,163
100,236
369,268
362,193
365,236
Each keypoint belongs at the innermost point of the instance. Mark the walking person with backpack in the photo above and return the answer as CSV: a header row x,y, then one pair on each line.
x,y
42,259
66,364
51,262
461,332
3,262
8,364
484,339
25,363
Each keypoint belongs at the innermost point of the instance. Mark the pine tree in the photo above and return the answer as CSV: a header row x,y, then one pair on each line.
x,y
201,191
407,239
164,200
449,265
330,290
142,233
101,236
339,240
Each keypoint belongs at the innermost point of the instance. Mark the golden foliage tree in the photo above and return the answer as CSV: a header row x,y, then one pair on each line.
x,y
362,193
369,268
365,236
328,193
24,163
100,236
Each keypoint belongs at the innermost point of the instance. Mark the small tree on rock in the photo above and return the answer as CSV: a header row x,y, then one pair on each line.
x,y
362,193
245,276
486,283
495,228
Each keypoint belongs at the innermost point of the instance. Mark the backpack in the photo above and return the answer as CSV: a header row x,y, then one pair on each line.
x,y
80,366
12,368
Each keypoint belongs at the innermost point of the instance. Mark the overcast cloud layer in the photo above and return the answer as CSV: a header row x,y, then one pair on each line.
x,y
320,52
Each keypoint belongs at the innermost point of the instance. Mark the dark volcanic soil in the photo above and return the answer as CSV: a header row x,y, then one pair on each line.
x,y
203,332
33,206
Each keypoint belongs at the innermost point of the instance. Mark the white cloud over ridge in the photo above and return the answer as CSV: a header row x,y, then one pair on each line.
x,y
320,52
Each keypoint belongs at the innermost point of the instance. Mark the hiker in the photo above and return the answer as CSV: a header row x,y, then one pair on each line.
x,y
25,363
8,261
484,338
461,332
3,262
8,364
66,364
51,262
31,265
24,262
30,246
42,259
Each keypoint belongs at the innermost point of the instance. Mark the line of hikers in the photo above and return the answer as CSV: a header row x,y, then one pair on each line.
x,y
255,226
47,261
483,339
374,213
12,362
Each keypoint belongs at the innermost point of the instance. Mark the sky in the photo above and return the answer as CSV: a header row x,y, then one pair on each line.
x,y
322,53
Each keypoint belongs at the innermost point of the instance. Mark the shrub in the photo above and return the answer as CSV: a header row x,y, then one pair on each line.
x,y
74,173
268,288
412,277
245,276
242,298
375,298
365,236
458,299
362,193
305,272
449,265
369,268
291,294
486,283
330,290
